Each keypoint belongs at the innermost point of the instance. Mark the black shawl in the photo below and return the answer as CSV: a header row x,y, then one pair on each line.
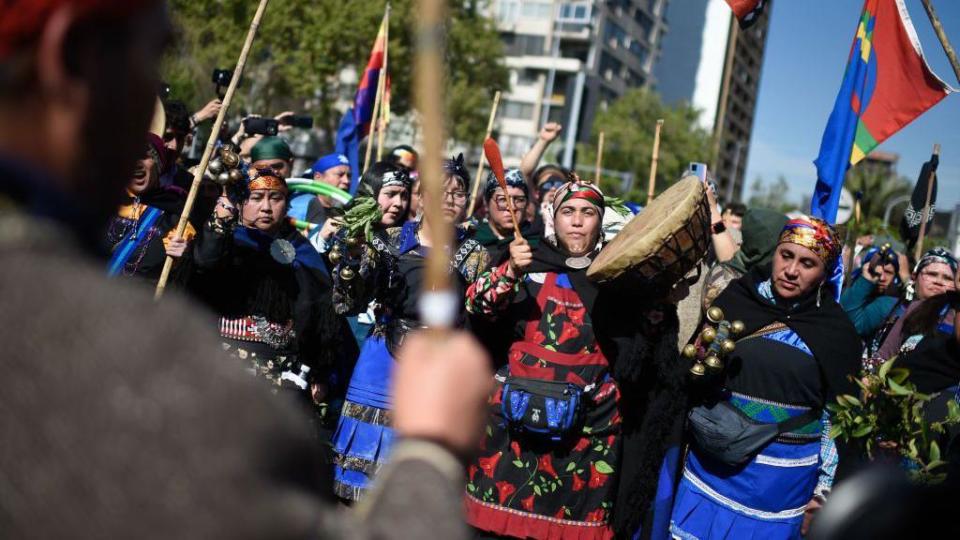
x,y
826,329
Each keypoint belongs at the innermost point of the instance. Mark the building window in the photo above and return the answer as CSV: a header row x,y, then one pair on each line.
x,y
609,66
615,36
645,22
575,12
507,10
523,44
517,110
532,9
639,51
527,77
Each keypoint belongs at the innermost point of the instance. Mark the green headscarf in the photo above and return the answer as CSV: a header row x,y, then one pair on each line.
x,y
270,148
761,231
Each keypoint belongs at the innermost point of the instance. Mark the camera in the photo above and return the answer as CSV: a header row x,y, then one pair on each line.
x,y
261,126
297,121
222,77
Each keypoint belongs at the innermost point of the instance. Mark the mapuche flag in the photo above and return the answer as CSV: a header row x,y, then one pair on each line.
x,y
355,124
886,86
747,11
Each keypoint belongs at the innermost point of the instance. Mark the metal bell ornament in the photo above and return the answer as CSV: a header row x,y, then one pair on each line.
x,y
223,178
215,166
236,176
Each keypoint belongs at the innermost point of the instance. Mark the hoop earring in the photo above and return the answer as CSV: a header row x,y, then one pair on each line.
x,y
819,293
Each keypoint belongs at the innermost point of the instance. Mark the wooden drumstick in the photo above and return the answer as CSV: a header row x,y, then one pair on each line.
x,y
654,158
492,152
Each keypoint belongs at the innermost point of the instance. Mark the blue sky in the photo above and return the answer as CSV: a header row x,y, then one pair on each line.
x,y
806,54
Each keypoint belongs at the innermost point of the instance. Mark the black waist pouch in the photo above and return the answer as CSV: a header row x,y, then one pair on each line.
x,y
723,432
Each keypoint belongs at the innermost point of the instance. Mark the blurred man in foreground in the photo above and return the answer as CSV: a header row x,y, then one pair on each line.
x,y
118,418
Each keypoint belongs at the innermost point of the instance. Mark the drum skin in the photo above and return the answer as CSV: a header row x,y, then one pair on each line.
x,y
664,242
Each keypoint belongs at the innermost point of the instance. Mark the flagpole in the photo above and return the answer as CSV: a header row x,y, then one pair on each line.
x,y
599,160
376,111
438,304
383,108
477,180
654,158
942,36
211,142
926,208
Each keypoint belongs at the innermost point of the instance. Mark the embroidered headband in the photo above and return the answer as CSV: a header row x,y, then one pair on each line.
x,y
937,255
265,179
512,176
814,234
578,190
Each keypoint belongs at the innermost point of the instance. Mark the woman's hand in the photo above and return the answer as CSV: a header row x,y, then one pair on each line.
x,y
176,247
521,257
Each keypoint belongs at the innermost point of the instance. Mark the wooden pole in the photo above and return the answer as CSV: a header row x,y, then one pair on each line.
x,y
654,158
438,304
384,105
599,160
375,119
721,115
478,178
942,36
926,209
211,143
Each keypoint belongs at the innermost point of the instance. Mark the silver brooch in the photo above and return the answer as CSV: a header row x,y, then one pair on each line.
x,y
283,251
578,263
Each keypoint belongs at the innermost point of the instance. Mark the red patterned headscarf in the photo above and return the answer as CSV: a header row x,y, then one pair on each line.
x,y
578,190
22,20
816,235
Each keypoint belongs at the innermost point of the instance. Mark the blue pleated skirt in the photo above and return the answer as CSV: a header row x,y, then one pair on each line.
x,y
363,438
764,499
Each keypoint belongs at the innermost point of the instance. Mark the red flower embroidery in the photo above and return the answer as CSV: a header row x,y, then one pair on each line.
x,y
505,489
597,479
471,470
577,482
596,515
515,446
546,464
582,445
561,513
610,440
527,503
569,332
490,463
538,337
576,315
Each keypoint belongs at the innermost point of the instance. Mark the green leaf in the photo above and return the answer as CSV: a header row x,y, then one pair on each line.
x,y
953,411
853,401
471,488
489,431
842,400
897,389
862,430
518,463
834,408
899,374
912,448
598,448
885,368
934,451
571,466
835,431
536,490
603,467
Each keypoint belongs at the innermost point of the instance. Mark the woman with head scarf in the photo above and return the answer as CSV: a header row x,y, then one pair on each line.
x,y
496,231
270,290
387,267
553,455
761,458
874,290
934,274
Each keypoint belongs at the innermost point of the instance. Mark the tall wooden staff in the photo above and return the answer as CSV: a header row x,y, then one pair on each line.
x,y
375,119
926,209
384,102
211,142
477,180
942,36
599,167
654,158
438,303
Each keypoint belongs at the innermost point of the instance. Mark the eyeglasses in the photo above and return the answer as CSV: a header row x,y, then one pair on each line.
x,y
501,202
456,196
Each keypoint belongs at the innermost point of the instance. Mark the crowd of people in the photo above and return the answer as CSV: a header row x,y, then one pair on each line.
x,y
286,369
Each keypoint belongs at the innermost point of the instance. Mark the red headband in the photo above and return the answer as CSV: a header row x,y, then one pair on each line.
x,y
23,20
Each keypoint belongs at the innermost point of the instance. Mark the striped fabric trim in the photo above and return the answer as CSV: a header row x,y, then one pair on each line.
x,y
737,507
787,462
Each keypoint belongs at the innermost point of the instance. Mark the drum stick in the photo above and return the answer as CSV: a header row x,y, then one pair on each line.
x,y
926,208
211,142
384,102
492,151
599,159
477,178
438,304
654,158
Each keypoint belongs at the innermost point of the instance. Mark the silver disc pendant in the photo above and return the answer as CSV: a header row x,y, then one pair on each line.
x,y
283,251
578,263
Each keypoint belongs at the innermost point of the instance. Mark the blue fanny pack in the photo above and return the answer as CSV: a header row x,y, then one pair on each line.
x,y
548,408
